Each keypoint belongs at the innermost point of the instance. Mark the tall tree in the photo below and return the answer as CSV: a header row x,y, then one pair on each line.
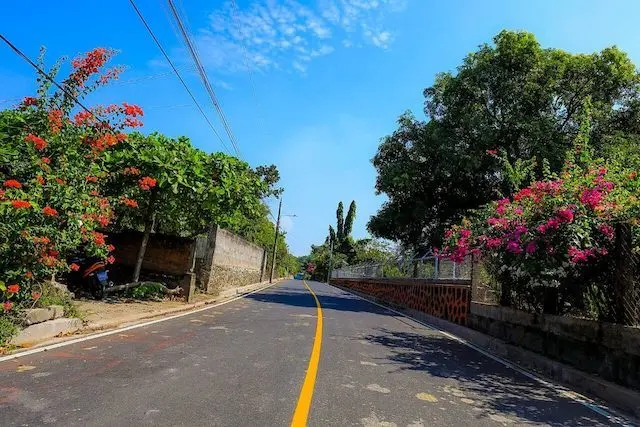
x,y
512,96
351,216
340,222
332,235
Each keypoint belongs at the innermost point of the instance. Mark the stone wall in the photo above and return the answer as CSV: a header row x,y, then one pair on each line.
x,y
225,260
609,350
164,254
446,299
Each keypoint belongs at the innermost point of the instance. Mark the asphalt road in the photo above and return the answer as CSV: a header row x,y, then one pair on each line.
x,y
244,364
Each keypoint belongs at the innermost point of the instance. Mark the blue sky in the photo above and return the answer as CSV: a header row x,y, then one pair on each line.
x,y
330,77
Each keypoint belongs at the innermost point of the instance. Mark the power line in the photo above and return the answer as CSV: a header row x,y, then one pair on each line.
x,y
46,76
175,70
203,75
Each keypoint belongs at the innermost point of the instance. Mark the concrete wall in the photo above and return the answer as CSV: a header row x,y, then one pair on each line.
x,y
164,254
446,299
225,260
609,350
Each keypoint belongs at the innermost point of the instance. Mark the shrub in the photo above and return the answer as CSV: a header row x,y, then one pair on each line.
x,y
550,244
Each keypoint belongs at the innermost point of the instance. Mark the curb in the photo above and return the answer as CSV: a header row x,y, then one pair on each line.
x,y
621,398
98,327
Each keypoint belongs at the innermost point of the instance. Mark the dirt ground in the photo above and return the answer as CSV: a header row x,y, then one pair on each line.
x,y
95,313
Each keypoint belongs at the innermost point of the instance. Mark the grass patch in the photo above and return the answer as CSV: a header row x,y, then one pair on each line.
x,y
54,296
8,330
148,290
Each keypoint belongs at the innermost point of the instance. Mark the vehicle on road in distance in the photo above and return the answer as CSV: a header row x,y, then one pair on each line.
x,y
298,276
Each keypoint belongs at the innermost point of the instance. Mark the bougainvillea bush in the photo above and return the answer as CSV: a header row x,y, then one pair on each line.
x,y
51,153
550,244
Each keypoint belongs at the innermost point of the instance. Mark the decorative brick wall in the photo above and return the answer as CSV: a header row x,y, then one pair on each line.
x,y
448,300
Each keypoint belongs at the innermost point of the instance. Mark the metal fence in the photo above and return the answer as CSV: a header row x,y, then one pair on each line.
x,y
425,267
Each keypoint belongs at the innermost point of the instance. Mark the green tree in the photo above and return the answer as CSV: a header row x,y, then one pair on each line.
x,y
512,96
340,222
168,185
351,217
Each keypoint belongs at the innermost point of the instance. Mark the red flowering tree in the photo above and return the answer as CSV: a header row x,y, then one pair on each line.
x,y
549,245
169,186
50,172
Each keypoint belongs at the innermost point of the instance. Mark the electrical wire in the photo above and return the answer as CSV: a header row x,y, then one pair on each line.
x,y
175,70
203,76
44,74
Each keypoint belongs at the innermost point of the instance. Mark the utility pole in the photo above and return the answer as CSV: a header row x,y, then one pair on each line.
x,y
330,261
275,243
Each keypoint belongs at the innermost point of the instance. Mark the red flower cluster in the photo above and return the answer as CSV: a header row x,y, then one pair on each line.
x,y
29,100
129,202
38,142
48,211
20,204
74,267
88,65
607,230
83,117
91,178
99,238
2,194
7,306
493,152
132,123
46,160
12,183
40,179
13,289
55,120
132,110
147,183
131,171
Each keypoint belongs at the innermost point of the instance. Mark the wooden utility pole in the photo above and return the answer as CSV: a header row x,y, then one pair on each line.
x,y
275,243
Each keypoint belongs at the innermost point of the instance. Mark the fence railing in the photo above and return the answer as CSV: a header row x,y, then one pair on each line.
x,y
427,267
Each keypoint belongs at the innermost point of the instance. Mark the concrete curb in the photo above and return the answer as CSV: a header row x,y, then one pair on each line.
x,y
107,325
616,396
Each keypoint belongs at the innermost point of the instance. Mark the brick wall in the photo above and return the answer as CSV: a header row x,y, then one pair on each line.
x,y
444,299
164,254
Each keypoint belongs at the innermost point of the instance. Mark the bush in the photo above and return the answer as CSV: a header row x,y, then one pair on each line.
x,y
551,244
8,330
51,164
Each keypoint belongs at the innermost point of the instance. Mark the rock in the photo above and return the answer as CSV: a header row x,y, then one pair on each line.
x,y
42,331
62,287
58,311
38,315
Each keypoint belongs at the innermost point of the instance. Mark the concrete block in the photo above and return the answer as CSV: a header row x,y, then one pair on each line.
x,y
43,331
58,311
37,315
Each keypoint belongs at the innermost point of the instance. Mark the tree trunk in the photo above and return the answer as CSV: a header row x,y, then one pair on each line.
x,y
148,226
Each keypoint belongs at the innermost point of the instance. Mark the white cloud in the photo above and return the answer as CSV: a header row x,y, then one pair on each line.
x,y
299,66
268,34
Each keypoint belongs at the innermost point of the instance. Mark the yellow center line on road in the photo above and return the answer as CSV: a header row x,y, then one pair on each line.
x,y
306,393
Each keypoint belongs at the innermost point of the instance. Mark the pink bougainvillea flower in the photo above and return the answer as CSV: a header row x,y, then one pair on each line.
x,y
514,247
7,306
591,197
607,230
565,215
531,247
493,152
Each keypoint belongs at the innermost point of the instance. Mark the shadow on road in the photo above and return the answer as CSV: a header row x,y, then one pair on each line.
x,y
494,388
